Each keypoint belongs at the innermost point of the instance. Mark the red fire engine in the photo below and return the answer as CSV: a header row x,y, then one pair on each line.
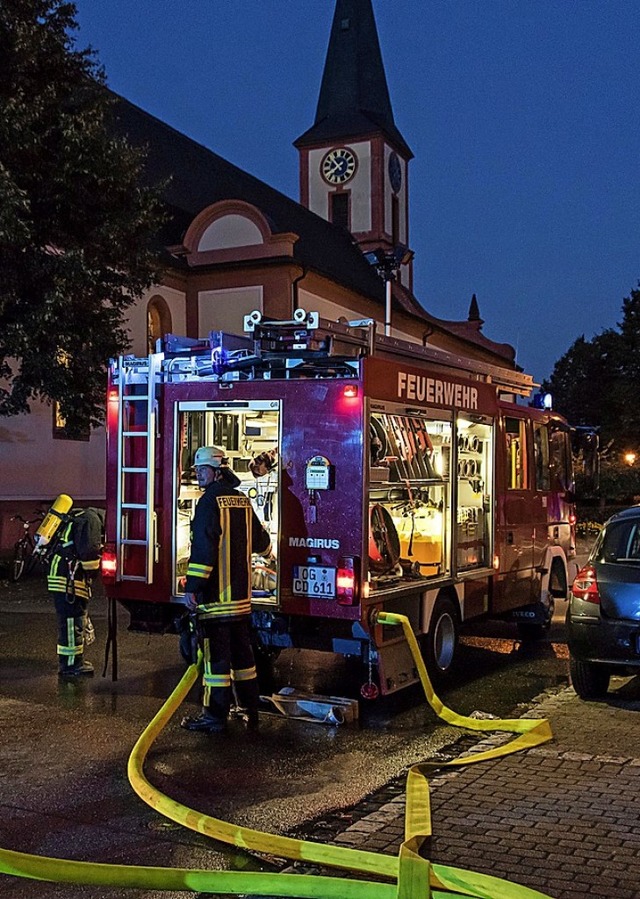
x,y
391,477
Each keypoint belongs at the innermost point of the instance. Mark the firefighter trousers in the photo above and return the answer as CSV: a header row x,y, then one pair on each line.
x,y
228,660
71,612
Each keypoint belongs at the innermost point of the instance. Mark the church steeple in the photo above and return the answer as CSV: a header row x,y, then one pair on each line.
x,y
353,160
354,97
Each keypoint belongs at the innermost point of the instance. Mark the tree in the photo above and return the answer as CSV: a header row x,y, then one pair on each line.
x,y
596,381
76,222
630,384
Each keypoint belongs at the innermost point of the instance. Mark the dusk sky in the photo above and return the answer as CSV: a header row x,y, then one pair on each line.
x,y
523,116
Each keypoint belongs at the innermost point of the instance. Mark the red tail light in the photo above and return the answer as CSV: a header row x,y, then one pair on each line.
x,y
108,564
113,405
585,586
347,581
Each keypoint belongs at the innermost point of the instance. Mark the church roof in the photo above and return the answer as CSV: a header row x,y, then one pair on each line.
x,y
354,98
195,177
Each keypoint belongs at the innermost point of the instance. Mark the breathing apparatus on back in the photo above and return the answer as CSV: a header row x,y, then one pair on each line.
x,y
52,524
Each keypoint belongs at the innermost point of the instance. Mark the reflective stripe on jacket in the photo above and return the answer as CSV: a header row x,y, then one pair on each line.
x,y
225,531
66,571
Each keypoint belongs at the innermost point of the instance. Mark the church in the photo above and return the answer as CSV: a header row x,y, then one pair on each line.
x,y
232,244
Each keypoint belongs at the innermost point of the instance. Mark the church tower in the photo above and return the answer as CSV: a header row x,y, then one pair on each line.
x,y
353,160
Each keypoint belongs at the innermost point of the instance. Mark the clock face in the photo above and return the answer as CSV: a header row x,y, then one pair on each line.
x,y
338,166
395,173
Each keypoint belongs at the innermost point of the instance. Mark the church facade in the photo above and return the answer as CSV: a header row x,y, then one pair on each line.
x,y
232,244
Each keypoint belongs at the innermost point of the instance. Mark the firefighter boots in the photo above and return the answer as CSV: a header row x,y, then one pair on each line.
x,y
205,723
79,669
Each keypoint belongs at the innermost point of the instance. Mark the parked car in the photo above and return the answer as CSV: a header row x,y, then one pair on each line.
x,y
603,616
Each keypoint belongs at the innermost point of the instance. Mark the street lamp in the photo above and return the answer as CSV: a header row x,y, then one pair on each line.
x,y
630,458
387,263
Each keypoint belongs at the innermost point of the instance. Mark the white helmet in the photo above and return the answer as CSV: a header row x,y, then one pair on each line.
x,y
213,456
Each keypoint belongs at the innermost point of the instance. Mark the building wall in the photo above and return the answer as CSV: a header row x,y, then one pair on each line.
x,y
333,311
137,316
403,236
225,309
35,466
359,186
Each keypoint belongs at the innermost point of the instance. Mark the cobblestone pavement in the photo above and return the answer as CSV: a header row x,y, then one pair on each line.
x,y
561,818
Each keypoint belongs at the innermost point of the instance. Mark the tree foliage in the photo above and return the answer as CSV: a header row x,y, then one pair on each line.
x,y
596,382
76,223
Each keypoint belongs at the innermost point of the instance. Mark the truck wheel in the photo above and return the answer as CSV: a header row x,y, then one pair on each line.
x,y
589,681
439,644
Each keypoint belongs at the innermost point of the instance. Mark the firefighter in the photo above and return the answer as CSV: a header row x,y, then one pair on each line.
x,y
72,567
225,531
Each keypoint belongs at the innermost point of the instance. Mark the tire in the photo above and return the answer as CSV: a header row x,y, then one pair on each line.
x,y
17,566
590,681
439,644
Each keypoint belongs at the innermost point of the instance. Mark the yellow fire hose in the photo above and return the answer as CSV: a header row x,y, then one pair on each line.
x,y
412,876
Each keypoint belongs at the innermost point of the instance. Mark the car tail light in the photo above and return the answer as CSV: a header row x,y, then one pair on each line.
x,y
585,586
347,581
108,563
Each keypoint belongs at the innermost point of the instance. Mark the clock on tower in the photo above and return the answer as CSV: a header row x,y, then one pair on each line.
x,y
338,165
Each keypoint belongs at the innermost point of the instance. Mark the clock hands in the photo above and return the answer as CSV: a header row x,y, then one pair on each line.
x,y
338,166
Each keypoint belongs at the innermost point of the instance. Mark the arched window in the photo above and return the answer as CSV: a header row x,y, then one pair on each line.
x,y
158,321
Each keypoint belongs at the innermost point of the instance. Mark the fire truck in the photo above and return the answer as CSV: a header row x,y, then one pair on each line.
x,y
390,476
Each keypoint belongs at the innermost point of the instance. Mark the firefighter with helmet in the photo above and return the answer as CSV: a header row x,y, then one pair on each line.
x,y
73,564
225,531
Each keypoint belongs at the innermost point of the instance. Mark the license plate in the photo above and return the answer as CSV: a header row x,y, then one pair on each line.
x,y
314,580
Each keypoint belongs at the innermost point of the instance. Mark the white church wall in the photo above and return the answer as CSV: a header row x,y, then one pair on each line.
x,y
224,310
359,186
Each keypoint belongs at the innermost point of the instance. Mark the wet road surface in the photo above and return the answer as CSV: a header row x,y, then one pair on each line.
x,y
64,745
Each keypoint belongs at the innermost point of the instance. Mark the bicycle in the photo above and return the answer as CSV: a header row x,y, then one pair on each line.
x,y
24,559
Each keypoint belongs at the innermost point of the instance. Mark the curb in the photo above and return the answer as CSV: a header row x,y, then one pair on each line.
x,y
382,828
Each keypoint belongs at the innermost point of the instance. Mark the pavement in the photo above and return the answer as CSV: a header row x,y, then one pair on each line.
x,y
561,818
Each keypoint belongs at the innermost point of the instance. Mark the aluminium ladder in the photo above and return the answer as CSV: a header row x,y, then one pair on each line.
x,y
136,472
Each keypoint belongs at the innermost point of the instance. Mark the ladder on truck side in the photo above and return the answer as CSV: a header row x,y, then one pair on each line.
x,y
136,545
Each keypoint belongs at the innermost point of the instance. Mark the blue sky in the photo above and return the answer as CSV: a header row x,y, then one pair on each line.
x,y
522,115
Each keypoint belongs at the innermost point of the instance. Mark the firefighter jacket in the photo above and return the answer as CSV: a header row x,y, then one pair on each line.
x,y
225,531
77,556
